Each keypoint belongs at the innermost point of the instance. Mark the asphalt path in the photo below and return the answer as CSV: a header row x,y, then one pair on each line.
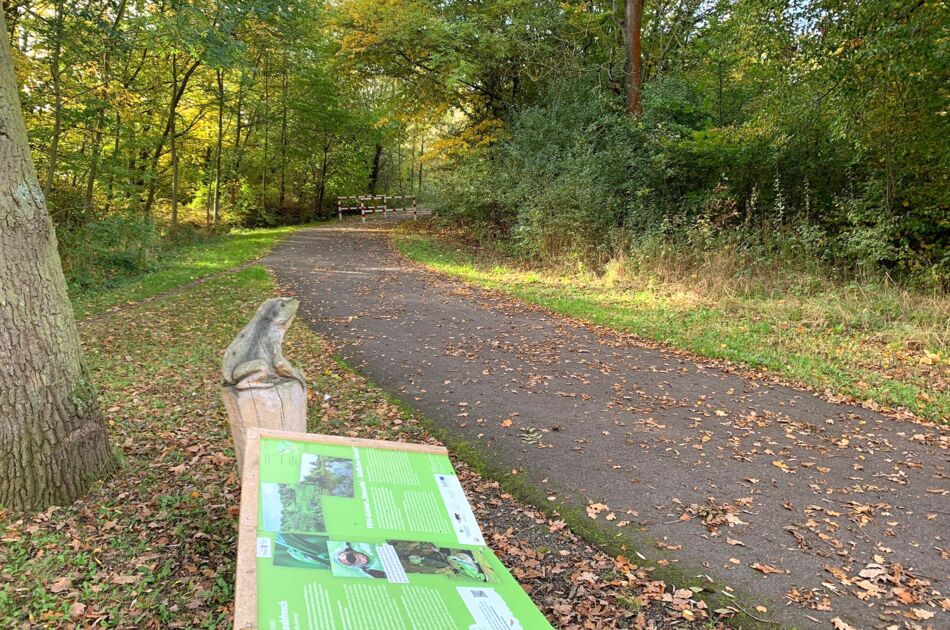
x,y
810,509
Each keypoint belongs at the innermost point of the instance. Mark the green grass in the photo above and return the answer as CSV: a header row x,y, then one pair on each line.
x,y
190,262
852,340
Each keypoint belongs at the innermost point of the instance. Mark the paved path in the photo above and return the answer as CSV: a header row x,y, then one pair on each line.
x,y
764,474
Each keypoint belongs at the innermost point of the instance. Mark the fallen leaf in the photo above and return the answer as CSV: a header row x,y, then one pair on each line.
x,y
76,610
60,585
766,568
596,508
124,579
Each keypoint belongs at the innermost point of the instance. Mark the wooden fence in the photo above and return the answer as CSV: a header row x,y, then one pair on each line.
x,y
371,204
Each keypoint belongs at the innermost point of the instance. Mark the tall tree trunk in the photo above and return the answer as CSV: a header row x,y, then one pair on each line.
x,y
110,182
209,181
94,159
217,154
422,150
323,177
412,168
236,154
57,98
374,171
399,164
264,164
101,110
173,139
53,441
283,135
632,28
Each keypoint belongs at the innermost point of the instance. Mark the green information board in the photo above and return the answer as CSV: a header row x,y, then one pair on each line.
x,y
360,534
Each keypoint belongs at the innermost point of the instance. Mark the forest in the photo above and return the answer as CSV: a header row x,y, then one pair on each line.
x,y
809,130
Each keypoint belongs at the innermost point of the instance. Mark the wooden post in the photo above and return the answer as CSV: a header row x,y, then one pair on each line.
x,y
261,389
362,210
414,209
282,407
339,208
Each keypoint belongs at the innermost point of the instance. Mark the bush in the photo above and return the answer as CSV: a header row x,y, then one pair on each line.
x,y
101,251
575,178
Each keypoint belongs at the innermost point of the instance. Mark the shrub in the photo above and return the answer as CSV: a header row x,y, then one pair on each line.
x,y
98,252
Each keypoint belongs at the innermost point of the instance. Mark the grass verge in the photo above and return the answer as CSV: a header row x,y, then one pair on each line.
x,y
189,263
849,341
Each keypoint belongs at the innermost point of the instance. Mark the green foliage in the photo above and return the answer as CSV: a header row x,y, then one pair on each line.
x,y
821,121
172,263
817,118
102,252
296,128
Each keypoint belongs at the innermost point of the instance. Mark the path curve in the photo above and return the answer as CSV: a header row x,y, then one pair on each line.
x,y
813,489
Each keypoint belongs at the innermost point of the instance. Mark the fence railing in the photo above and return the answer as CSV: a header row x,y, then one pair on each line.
x,y
371,204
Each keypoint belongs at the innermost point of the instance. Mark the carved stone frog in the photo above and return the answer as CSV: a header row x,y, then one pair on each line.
x,y
254,358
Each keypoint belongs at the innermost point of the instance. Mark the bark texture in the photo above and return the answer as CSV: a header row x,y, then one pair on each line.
x,y
633,19
53,441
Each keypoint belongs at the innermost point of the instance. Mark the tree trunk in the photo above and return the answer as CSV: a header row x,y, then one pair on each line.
x,y
217,155
264,163
324,162
632,28
57,98
53,441
177,93
422,150
94,160
209,181
236,154
173,139
101,110
110,181
374,171
283,136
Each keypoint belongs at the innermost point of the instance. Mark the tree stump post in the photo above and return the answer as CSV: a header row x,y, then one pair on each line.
x,y
283,407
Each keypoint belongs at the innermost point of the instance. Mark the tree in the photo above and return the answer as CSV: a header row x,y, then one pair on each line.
x,y
632,28
57,37
54,442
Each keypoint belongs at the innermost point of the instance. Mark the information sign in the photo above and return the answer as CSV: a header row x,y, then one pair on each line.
x,y
352,534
